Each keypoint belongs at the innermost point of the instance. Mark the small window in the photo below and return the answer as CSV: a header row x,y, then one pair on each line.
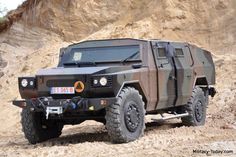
x,y
161,52
179,52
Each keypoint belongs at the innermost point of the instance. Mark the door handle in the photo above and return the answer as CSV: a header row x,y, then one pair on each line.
x,y
160,66
172,78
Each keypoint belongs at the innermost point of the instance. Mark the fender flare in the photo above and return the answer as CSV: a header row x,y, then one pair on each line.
x,y
136,84
201,81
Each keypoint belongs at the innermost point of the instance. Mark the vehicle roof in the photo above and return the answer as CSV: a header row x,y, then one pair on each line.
x,y
108,40
132,39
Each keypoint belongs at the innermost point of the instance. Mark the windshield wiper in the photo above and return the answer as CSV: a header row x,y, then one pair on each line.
x,y
80,63
130,57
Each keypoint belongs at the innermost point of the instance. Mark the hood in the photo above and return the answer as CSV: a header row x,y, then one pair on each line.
x,y
81,70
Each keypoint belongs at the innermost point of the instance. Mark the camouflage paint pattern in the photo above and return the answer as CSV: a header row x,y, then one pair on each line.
x,y
164,80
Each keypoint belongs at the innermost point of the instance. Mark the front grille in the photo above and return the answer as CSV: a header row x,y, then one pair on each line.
x,y
60,83
109,81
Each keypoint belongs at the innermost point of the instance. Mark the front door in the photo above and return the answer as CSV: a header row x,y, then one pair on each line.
x,y
184,72
166,74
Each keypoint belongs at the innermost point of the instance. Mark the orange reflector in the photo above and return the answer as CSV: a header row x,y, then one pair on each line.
x,y
79,86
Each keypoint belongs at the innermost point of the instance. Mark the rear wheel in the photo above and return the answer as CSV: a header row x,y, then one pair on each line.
x,y
125,118
196,107
37,129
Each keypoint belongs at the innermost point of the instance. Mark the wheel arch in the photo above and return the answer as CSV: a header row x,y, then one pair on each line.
x,y
200,81
137,86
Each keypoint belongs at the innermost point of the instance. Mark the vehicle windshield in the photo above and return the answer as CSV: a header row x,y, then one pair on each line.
x,y
102,54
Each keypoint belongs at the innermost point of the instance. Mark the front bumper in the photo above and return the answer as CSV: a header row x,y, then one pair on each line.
x,y
49,105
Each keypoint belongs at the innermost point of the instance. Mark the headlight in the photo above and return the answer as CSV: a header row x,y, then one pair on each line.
x,y
95,81
103,81
31,83
27,82
24,83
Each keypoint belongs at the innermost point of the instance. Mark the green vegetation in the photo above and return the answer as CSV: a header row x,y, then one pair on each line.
x,y
2,19
3,10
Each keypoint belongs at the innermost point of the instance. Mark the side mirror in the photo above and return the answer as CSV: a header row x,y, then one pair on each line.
x,y
137,66
62,52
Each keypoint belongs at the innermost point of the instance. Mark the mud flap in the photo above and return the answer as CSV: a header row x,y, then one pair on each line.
x,y
212,91
19,103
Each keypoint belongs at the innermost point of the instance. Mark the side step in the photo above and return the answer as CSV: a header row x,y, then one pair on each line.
x,y
163,118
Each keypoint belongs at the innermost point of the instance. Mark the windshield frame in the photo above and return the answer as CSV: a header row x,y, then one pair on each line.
x,y
70,49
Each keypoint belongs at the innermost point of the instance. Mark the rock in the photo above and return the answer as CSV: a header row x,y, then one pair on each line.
x,y
1,74
228,126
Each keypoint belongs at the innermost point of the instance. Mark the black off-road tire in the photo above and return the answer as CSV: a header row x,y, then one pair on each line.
x,y
196,107
125,118
206,93
37,129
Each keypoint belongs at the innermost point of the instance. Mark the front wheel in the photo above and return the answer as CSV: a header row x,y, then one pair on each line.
x,y
125,118
37,129
196,107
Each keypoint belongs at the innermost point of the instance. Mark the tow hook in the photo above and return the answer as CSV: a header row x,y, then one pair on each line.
x,y
53,110
61,106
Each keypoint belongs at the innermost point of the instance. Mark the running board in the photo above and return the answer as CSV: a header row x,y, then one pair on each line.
x,y
171,117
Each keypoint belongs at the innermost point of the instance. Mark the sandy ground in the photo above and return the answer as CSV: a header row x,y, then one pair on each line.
x,y
160,139
34,41
91,139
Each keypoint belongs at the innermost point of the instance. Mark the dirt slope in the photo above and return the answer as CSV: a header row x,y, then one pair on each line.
x,y
39,28
207,23
210,24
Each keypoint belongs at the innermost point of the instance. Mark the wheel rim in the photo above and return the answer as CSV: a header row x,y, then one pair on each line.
x,y
199,111
132,116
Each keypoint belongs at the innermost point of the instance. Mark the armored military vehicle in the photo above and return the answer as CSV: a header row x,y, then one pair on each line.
x,y
117,82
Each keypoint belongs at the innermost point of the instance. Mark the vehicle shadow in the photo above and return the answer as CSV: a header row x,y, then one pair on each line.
x,y
78,138
162,125
70,137
102,135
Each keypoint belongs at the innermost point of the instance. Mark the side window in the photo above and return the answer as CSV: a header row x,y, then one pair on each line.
x,y
161,53
179,52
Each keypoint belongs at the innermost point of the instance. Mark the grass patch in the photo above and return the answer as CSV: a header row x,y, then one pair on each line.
x,y
2,19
